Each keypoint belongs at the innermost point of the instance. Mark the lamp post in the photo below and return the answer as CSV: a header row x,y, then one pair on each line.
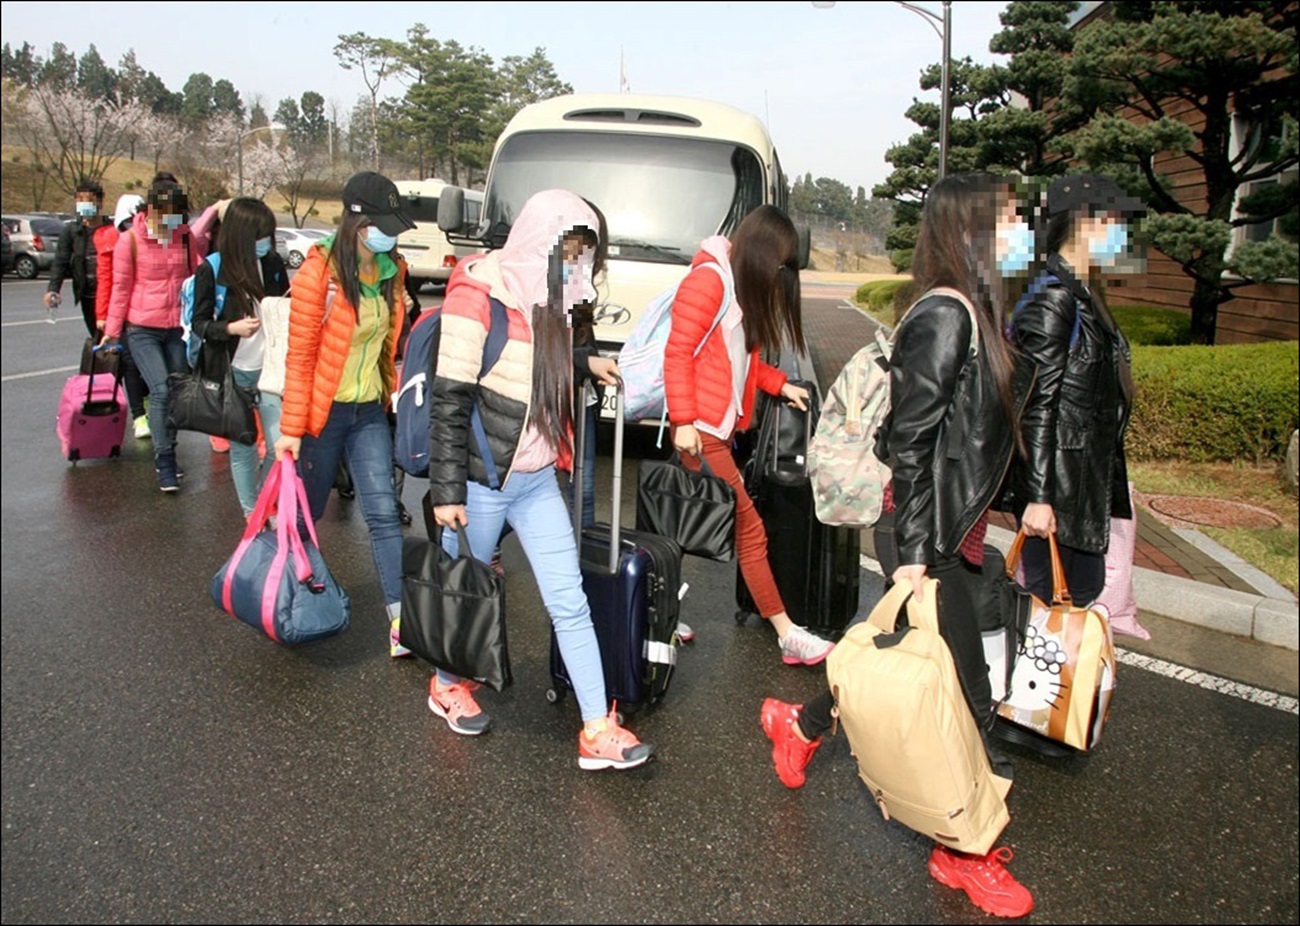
x,y
270,126
944,30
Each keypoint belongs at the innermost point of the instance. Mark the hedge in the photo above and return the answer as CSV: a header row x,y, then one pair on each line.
x,y
1232,402
1144,324
879,298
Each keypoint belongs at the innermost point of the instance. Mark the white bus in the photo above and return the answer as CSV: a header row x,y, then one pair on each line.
x,y
667,172
429,255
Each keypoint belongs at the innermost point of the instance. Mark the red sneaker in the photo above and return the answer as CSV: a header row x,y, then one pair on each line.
x,y
790,754
984,878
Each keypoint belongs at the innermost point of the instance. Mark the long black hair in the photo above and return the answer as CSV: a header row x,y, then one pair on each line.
x,y
246,220
553,333
765,264
956,246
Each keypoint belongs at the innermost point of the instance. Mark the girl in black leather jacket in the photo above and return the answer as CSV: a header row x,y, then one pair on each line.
x,y
1074,478
951,437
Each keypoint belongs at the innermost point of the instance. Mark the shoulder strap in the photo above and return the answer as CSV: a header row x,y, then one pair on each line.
x,y
960,297
498,333
722,309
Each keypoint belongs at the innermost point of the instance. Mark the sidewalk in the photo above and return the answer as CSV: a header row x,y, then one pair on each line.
x,y
1180,574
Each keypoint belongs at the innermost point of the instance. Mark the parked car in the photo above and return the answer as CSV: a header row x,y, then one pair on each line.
x,y
34,239
293,243
6,250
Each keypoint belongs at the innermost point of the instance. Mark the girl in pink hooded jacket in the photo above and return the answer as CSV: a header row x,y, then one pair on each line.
x,y
150,261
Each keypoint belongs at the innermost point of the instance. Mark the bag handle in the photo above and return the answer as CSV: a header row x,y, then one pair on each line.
x,y
434,530
1060,589
705,468
922,614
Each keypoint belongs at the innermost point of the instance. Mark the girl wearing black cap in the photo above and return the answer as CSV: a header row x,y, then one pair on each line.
x,y
1074,478
346,312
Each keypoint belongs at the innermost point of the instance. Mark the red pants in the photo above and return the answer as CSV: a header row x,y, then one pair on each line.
x,y
751,537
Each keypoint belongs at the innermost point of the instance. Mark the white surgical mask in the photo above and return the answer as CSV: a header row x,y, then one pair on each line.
x,y
86,210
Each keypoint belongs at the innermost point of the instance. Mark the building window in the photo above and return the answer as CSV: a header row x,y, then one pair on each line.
x,y
1250,136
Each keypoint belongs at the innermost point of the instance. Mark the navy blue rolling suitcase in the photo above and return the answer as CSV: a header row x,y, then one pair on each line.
x,y
632,581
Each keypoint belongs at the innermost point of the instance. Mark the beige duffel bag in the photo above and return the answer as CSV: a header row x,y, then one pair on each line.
x,y
899,700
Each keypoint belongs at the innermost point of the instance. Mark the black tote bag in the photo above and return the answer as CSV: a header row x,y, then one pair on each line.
x,y
454,608
698,510
210,401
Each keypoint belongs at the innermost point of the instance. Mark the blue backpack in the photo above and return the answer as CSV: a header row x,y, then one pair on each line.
x,y
411,437
641,360
1039,285
192,343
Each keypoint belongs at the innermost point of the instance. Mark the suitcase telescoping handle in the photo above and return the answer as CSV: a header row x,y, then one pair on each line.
x,y
579,456
117,376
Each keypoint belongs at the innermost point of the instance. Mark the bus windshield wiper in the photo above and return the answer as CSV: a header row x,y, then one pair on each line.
x,y
674,254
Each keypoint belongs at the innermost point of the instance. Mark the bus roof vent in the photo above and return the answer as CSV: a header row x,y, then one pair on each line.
x,y
642,116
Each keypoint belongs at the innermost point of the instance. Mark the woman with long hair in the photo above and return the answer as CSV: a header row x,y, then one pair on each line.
x,y
244,270
347,305
951,437
1074,478
543,276
712,374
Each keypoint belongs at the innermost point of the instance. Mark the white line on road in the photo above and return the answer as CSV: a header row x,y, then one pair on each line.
x,y
41,321
1211,682
6,379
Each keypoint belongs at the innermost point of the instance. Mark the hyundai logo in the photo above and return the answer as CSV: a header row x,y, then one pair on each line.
x,y
609,314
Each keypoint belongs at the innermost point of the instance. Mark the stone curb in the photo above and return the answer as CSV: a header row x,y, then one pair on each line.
x,y
1267,618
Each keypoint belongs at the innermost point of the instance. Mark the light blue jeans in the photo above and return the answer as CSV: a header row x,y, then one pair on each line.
x,y
247,470
534,507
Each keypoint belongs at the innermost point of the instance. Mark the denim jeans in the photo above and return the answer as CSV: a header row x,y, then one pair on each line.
x,y
158,352
359,433
247,469
533,505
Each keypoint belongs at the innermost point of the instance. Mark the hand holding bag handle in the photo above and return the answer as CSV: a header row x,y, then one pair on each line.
x,y
1060,589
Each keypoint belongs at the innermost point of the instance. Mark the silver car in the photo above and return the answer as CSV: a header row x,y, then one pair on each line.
x,y
35,239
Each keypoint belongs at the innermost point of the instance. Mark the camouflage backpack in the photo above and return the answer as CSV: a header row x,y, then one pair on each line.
x,y
845,464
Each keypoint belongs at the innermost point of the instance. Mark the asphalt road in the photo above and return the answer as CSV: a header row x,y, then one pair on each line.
x,y
162,762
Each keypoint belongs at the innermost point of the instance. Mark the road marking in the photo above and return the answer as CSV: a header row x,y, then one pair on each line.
x,y
6,379
1208,681
41,321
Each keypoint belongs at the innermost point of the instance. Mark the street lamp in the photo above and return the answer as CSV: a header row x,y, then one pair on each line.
x,y
270,126
944,31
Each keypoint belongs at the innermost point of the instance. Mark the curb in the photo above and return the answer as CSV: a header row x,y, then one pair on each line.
x,y
1268,618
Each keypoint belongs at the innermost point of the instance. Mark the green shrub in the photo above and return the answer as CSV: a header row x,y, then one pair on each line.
x,y
902,260
1233,402
878,297
1144,324
903,297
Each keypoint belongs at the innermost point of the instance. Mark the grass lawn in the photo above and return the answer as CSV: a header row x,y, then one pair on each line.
x,y
1275,551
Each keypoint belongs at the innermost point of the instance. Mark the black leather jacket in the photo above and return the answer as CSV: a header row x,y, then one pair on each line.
x,y
1076,416
949,438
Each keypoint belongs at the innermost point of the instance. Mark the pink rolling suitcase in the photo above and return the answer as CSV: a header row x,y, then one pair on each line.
x,y
92,417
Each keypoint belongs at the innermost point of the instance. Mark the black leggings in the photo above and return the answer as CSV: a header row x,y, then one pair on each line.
x,y
1085,573
962,597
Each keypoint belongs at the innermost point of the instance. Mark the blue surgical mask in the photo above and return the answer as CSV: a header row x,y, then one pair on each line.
x,y
172,220
1015,249
377,242
263,247
1106,252
86,210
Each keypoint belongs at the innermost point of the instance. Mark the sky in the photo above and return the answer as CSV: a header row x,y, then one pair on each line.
x,y
831,84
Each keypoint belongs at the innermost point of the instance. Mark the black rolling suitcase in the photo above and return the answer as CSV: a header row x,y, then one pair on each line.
x,y
816,567
632,581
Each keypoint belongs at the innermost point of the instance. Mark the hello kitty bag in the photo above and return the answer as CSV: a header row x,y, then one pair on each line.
x,y
1064,674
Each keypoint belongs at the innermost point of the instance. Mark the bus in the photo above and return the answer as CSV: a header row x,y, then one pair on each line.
x,y
667,172
430,257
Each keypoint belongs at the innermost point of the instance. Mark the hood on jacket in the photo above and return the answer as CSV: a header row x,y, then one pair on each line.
x,y
542,222
128,204
718,248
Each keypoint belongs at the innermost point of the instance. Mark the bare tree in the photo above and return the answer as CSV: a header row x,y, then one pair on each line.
x,y
376,58
298,166
75,137
264,170
157,133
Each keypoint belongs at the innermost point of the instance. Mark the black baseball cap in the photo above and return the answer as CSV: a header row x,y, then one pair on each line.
x,y
1091,191
376,197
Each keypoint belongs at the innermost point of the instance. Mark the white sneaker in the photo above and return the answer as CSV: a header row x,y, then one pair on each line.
x,y
684,632
142,427
800,647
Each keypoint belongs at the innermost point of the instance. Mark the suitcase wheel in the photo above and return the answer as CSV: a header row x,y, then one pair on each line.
x,y
115,452
74,456
554,695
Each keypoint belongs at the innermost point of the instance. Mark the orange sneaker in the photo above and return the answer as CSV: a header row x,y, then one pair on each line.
x,y
613,747
984,878
790,754
457,706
